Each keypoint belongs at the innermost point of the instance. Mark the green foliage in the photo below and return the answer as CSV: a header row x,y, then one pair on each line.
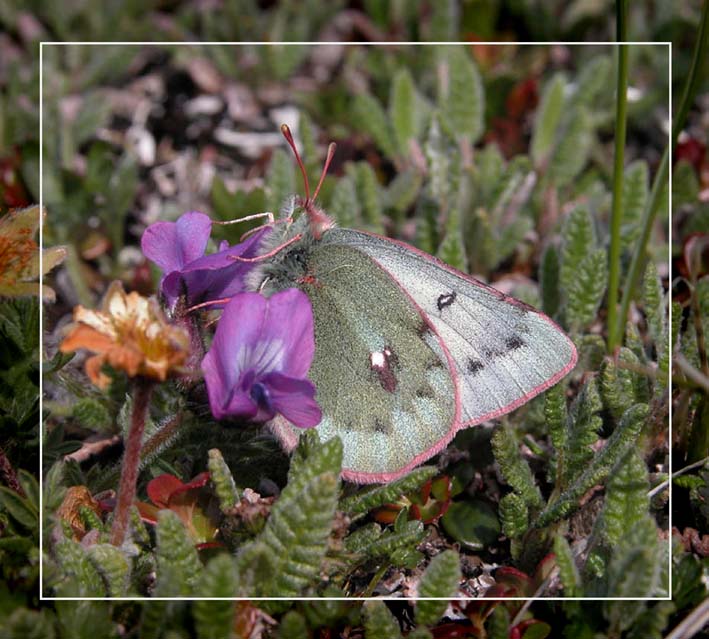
x,y
223,481
546,123
280,180
578,240
369,116
113,566
514,516
460,96
178,566
404,111
571,153
298,527
549,281
292,626
439,583
369,195
587,289
635,194
215,619
452,249
568,571
622,439
379,623
368,499
344,206
514,468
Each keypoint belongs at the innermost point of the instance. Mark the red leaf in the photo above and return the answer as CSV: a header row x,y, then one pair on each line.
x,y
162,488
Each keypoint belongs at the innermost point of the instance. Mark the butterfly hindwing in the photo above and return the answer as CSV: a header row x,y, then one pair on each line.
x,y
384,380
505,352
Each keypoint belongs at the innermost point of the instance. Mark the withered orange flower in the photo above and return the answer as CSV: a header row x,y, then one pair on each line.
x,y
20,255
70,509
130,333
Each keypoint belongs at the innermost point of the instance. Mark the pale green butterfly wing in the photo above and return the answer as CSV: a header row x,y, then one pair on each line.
x,y
382,375
505,352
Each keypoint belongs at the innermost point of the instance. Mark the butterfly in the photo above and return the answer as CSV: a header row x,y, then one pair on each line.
x,y
408,350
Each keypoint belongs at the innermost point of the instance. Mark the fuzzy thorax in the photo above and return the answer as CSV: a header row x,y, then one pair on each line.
x,y
288,266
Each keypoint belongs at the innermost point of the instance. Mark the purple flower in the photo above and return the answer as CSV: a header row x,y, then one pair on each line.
x,y
260,357
178,249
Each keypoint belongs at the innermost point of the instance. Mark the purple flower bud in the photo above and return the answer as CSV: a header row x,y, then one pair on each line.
x,y
178,249
260,357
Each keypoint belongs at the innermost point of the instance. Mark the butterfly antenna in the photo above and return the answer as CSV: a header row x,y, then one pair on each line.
x,y
291,142
328,159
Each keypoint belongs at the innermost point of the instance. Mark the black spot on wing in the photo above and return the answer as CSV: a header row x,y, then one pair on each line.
x,y
446,300
475,366
513,342
425,392
380,426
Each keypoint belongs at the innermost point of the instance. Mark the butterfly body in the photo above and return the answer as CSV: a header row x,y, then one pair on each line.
x,y
407,350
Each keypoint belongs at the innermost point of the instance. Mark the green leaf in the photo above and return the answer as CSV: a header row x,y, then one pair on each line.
x,y
152,618
592,80
583,427
223,481
578,242
549,281
215,619
370,196
514,515
403,110
85,620
280,180
626,500
29,624
298,527
618,444
572,151
369,116
292,626
438,154
652,621
462,99
452,249
344,205
74,561
547,120
379,623
402,191
19,508
113,566
568,571
440,580
587,290
474,524
655,308
634,198
91,413
619,384
498,623
515,469
366,500
178,566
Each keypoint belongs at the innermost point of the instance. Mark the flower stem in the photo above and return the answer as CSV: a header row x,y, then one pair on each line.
x,y
131,461
8,475
658,185
621,104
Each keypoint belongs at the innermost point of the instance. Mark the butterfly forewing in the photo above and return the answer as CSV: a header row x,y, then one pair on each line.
x,y
383,378
504,351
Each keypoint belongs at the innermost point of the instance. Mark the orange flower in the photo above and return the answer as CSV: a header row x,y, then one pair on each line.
x,y
129,333
19,255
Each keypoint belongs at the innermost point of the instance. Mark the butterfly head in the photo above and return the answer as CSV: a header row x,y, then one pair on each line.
x,y
318,220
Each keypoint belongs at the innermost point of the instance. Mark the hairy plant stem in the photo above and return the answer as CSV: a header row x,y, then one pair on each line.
x,y
131,460
653,205
621,107
8,475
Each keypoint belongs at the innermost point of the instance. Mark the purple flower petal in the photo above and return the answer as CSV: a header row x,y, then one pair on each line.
x,y
294,399
228,359
172,245
290,321
260,355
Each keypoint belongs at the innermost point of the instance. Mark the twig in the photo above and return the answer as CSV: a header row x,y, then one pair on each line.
x,y
692,374
661,486
692,623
